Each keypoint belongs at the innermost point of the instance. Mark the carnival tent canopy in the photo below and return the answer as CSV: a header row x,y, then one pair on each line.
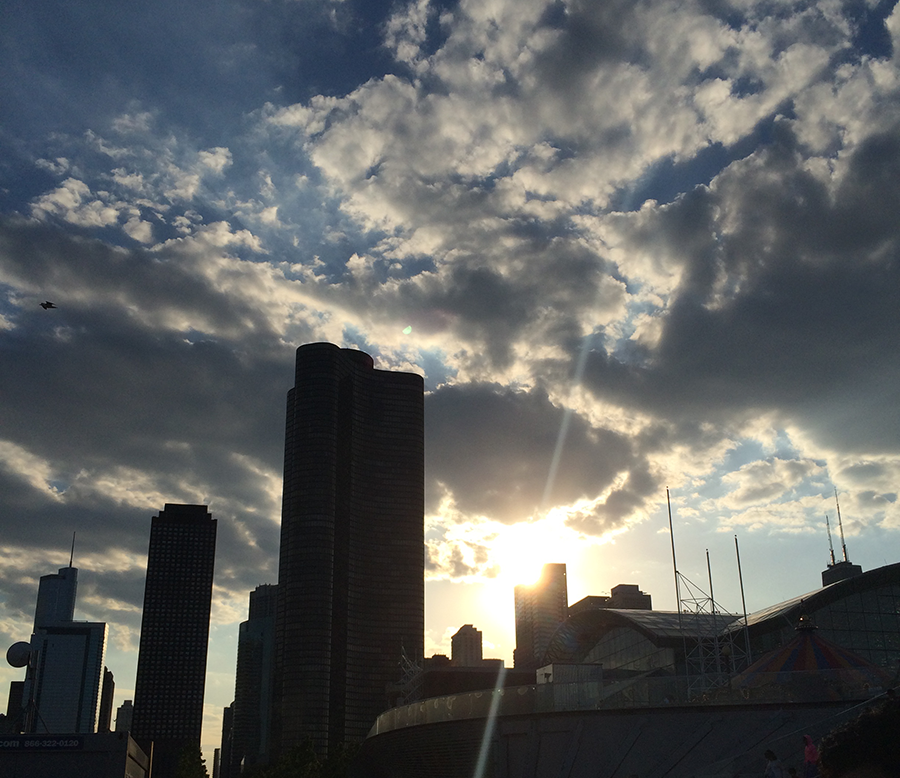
x,y
812,654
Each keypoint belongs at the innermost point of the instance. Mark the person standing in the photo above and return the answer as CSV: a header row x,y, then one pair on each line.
x,y
810,758
774,768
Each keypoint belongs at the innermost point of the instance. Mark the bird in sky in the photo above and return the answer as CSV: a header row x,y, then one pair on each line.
x,y
47,304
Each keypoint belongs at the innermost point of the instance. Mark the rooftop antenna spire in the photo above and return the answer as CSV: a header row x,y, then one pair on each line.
x,y
674,563
712,597
737,552
830,544
840,526
72,553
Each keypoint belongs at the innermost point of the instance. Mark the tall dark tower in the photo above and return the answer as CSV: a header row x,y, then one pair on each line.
x,y
251,737
171,669
351,575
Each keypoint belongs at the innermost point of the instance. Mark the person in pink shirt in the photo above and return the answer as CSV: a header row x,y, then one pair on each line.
x,y
810,758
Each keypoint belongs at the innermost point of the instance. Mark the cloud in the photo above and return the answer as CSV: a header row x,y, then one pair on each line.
x,y
71,201
785,296
659,239
490,449
133,396
765,481
472,197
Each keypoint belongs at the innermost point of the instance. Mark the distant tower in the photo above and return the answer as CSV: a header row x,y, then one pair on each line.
x,y
63,691
171,668
466,647
124,716
107,694
351,571
540,609
622,597
56,597
629,597
223,755
15,707
838,571
253,684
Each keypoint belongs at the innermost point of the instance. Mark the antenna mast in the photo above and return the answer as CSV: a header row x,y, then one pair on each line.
x,y
737,552
674,563
840,525
830,544
712,597
708,644
72,553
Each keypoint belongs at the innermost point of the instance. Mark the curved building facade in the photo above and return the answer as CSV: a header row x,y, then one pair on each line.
x,y
351,568
616,697
860,614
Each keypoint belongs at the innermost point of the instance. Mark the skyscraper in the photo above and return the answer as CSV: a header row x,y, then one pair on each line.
x,y
56,597
540,609
125,716
350,587
466,647
251,733
171,669
107,695
62,682
67,672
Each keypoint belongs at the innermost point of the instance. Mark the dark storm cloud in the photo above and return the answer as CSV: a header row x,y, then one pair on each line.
x,y
548,285
492,449
590,34
52,262
790,299
103,396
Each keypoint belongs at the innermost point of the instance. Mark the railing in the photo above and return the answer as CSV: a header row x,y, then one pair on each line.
x,y
639,692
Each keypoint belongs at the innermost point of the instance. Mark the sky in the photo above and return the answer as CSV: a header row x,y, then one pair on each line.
x,y
630,245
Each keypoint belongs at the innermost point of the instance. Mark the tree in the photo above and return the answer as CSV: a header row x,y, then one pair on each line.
x,y
303,762
190,763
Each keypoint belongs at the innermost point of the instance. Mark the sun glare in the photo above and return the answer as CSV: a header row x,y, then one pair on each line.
x,y
523,549
518,553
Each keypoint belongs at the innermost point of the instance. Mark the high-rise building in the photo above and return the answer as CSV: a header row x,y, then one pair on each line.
x,y
224,758
63,689
15,708
350,586
107,694
251,729
171,668
56,597
466,647
125,716
621,597
540,609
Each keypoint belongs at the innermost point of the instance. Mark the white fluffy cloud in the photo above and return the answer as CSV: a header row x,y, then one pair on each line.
x,y
630,245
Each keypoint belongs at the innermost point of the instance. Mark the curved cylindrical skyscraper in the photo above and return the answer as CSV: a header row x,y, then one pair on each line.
x,y
351,575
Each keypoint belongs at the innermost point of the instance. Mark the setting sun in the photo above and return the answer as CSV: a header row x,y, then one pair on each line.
x,y
522,549
518,554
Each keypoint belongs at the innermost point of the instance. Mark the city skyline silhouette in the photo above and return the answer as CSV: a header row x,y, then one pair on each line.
x,y
626,246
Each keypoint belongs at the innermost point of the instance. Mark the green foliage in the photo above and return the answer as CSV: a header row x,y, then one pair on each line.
x,y
190,763
337,765
303,762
